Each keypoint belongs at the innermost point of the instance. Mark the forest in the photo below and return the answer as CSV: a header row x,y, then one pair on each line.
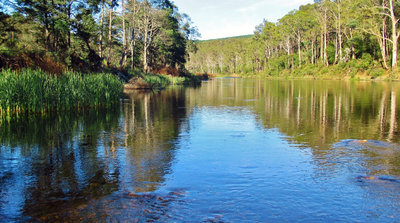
x,y
88,35
350,37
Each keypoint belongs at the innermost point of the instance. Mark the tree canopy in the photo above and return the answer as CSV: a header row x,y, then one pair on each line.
x,y
129,34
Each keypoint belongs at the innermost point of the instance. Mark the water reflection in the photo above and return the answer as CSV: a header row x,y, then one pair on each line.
x,y
317,113
47,161
233,150
53,164
152,122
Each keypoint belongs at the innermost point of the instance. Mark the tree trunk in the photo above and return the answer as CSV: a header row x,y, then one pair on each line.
x,y
340,31
47,36
133,33
145,48
53,29
353,49
145,65
46,27
326,37
109,37
124,47
336,49
395,35
132,46
383,44
312,51
322,47
69,22
299,47
101,29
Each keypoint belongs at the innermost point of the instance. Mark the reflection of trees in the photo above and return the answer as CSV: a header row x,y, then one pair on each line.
x,y
313,113
67,159
393,120
57,156
325,111
153,121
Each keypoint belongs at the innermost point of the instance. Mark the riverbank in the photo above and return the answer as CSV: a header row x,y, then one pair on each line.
x,y
160,81
34,91
333,72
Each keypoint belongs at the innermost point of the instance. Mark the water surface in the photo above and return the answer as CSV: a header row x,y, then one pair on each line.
x,y
232,150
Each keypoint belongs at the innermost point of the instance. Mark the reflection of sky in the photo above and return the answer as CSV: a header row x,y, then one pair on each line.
x,y
231,168
78,165
15,179
228,165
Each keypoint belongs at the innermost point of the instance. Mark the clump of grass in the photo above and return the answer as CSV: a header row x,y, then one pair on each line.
x,y
33,91
159,81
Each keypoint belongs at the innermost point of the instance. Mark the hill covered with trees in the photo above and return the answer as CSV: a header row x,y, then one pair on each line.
x,y
349,37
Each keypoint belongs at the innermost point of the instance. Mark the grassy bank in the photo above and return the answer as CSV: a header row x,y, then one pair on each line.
x,y
33,91
160,81
345,71
339,72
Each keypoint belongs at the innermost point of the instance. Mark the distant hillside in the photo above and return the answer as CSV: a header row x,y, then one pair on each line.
x,y
232,37
226,55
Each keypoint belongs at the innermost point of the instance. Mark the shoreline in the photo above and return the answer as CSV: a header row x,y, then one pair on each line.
x,y
322,73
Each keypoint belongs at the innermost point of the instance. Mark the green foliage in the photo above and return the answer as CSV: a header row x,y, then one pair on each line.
x,y
377,73
159,81
344,34
365,62
35,91
73,34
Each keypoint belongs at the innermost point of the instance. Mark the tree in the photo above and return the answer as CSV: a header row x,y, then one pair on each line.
x,y
124,40
149,25
323,17
376,24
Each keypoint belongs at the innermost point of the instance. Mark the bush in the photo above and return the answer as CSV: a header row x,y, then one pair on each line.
x,y
377,73
365,62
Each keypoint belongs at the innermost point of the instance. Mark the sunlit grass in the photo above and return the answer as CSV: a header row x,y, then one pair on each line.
x,y
157,81
33,91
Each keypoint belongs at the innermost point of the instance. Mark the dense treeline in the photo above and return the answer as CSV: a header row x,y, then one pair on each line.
x,y
130,34
357,35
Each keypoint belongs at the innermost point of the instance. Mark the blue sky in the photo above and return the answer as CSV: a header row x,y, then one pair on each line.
x,y
224,18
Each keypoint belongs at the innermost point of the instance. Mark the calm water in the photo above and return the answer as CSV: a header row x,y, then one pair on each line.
x,y
232,150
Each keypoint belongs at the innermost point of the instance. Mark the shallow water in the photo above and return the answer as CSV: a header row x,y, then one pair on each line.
x,y
232,150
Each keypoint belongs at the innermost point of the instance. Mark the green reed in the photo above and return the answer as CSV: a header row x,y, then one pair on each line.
x,y
33,91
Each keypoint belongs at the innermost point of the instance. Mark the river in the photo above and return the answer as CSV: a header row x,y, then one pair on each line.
x,y
232,150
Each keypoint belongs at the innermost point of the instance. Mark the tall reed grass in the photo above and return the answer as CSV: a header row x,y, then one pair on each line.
x,y
33,91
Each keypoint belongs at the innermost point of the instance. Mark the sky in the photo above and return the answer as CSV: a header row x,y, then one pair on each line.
x,y
226,18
